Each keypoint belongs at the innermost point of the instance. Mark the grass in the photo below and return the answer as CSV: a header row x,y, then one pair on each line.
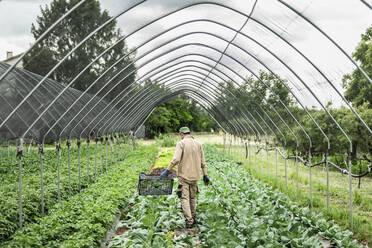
x,y
339,209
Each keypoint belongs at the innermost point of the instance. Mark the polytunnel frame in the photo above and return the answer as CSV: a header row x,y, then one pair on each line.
x,y
131,99
248,111
310,167
191,90
282,103
88,164
296,156
184,7
238,12
161,91
202,104
195,97
112,78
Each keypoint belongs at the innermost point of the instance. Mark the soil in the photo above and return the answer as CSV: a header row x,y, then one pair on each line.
x,y
186,231
121,230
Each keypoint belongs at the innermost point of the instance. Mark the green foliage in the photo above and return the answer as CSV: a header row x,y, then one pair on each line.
x,y
235,211
31,183
170,116
83,220
358,88
70,32
256,214
166,140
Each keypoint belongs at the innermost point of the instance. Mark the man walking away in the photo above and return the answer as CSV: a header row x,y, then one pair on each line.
x,y
189,156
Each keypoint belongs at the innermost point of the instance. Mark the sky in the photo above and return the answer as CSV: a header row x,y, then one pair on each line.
x,y
343,20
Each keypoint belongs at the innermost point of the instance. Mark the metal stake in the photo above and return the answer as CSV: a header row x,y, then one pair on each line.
x,y
88,159
311,182
351,194
95,158
101,139
68,144
267,161
41,151
58,148
106,151
327,170
19,155
297,170
78,143
276,164
285,167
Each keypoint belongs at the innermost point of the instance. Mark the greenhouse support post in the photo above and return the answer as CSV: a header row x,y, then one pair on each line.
x,y
311,182
88,159
106,139
20,194
78,144
102,148
267,160
95,157
41,152
296,164
285,166
276,163
58,148
327,174
68,144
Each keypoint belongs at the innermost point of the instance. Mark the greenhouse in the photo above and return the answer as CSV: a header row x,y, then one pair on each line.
x,y
278,92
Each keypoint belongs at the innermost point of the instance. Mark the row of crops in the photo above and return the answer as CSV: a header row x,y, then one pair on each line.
x,y
236,211
80,220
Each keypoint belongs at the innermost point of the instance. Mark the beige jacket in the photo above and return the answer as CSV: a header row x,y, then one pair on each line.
x,y
189,156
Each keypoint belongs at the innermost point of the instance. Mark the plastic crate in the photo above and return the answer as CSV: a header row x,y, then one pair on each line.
x,y
153,185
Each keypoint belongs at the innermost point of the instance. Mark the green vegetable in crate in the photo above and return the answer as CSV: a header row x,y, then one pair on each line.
x,y
189,156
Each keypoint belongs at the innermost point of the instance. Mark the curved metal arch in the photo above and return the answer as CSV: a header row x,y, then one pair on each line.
x,y
125,68
65,57
165,99
253,87
186,66
196,93
155,94
209,93
39,39
328,37
161,78
134,101
137,48
222,5
203,45
156,104
177,72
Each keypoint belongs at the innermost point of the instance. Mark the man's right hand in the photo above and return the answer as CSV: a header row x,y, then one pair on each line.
x,y
164,174
206,179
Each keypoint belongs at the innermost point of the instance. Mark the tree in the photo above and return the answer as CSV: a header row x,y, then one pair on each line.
x,y
170,116
358,88
70,32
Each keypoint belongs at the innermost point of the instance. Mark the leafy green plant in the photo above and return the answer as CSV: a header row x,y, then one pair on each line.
x,y
166,140
83,220
235,211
